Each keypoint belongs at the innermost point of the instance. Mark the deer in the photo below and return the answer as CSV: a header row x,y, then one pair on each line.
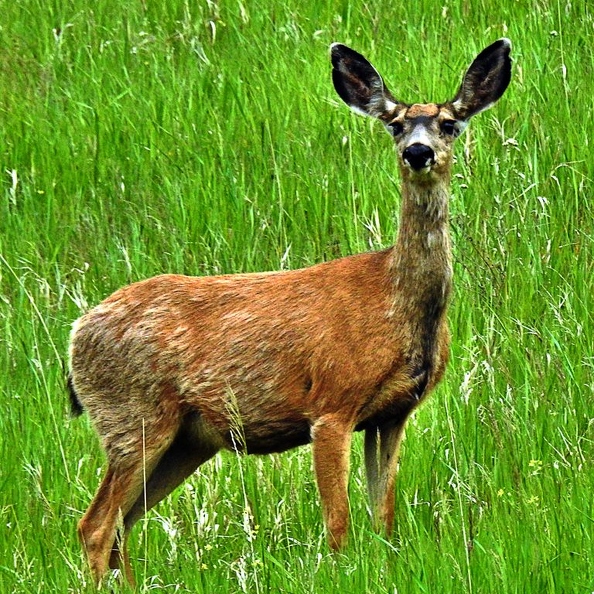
x,y
175,368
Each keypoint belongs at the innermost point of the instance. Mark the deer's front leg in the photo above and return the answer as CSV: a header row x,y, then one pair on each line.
x,y
331,439
382,445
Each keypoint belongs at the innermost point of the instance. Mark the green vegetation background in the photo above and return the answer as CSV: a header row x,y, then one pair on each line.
x,y
139,137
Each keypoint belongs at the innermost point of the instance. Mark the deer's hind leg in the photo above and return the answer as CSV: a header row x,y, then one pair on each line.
x,y
135,437
193,445
117,493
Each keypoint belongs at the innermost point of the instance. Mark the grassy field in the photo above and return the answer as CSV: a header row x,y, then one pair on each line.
x,y
205,137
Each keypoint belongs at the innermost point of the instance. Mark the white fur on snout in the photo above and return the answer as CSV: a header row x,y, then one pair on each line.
x,y
420,136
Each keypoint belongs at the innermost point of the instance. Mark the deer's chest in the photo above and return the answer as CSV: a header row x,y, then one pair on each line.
x,y
407,383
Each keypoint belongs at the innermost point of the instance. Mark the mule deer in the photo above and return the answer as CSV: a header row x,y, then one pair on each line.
x,y
167,366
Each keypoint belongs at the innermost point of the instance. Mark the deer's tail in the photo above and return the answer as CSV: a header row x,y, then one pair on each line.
x,y
76,407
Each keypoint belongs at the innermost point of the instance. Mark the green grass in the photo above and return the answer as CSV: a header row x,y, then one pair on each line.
x,y
197,137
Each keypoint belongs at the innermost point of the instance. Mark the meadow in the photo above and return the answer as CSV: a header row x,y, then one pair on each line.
x,y
205,137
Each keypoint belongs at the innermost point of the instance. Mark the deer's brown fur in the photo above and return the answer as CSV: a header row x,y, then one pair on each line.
x,y
174,368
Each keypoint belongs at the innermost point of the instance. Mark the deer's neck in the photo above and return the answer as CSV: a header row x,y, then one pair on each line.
x,y
422,260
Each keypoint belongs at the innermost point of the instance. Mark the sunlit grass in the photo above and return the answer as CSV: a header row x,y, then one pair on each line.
x,y
204,138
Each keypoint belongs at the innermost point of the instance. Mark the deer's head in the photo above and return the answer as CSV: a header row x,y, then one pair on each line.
x,y
423,133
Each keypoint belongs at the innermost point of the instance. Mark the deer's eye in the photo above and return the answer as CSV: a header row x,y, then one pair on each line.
x,y
396,128
449,127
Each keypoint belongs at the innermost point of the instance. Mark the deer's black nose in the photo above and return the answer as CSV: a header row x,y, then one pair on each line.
x,y
418,156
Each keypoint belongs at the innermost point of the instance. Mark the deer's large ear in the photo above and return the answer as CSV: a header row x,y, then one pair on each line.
x,y
485,81
358,83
